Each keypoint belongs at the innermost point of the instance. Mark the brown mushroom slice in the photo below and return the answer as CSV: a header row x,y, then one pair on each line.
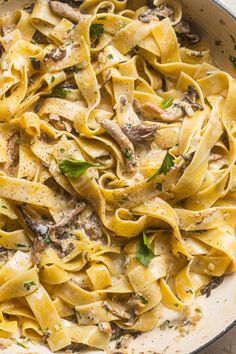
x,y
151,111
141,133
64,10
183,30
156,13
122,140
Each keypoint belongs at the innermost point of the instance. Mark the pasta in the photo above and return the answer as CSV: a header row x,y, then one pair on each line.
x,y
117,170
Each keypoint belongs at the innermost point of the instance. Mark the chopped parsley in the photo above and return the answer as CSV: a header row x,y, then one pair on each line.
x,y
159,187
62,150
21,345
143,299
53,78
144,252
110,56
96,30
4,207
21,245
61,91
74,168
166,166
46,240
28,284
102,18
166,324
189,291
167,103
128,154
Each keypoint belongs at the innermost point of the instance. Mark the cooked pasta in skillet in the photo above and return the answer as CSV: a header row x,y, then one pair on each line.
x,y
117,170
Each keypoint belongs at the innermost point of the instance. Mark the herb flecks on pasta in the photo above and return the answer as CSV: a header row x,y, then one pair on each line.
x,y
117,161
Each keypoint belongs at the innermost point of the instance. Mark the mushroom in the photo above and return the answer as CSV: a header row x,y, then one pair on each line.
x,y
64,10
55,54
141,133
122,140
93,227
156,13
151,111
183,31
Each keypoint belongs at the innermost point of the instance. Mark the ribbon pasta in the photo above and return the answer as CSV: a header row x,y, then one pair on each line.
x,y
117,170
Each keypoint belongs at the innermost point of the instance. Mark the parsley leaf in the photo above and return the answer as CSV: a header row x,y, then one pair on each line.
x,y
21,345
96,30
110,56
144,252
167,103
166,165
21,245
53,78
74,168
128,154
61,91
28,284
46,240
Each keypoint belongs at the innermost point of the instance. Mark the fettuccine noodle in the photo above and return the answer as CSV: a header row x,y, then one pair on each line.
x,y
117,169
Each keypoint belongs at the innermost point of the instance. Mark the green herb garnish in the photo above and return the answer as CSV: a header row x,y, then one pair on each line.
x,y
102,18
28,284
46,240
128,154
189,291
143,299
166,165
20,245
4,207
53,78
21,345
165,324
110,56
96,30
62,150
159,187
144,253
167,103
61,91
74,168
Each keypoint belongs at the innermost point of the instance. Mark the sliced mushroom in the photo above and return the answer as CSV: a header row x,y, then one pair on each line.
x,y
150,4
156,13
55,54
122,140
55,121
138,134
40,231
183,31
151,111
93,227
12,152
69,218
191,97
64,10
45,233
